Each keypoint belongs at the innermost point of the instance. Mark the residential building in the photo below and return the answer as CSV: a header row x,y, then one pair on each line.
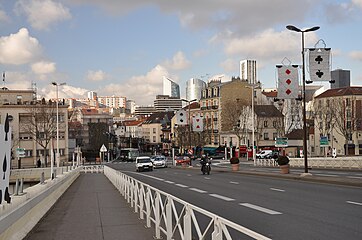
x,y
170,88
112,101
165,103
338,116
34,136
92,95
194,88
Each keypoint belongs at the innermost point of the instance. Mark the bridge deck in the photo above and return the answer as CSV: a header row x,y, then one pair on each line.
x,y
91,209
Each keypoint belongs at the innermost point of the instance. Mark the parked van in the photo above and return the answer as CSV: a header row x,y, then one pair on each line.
x,y
264,153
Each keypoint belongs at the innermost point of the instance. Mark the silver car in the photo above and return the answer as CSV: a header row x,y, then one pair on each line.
x,y
159,161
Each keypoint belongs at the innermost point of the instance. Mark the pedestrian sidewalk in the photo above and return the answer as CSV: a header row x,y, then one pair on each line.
x,y
91,209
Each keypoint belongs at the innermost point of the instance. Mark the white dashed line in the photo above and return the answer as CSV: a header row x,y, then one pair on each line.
x,y
277,189
234,183
327,175
261,209
169,182
354,177
356,203
181,185
189,175
198,190
221,197
207,178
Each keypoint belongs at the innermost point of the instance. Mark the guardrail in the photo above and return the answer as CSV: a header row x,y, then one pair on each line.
x,y
19,217
354,163
173,217
92,169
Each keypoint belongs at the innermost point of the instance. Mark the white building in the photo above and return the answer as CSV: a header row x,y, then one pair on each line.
x,y
170,88
113,101
248,71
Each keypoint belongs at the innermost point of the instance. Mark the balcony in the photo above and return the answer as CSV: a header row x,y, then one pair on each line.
x,y
215,107
203,108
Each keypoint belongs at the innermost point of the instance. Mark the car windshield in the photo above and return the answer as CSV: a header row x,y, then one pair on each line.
x,y
144,160
159,159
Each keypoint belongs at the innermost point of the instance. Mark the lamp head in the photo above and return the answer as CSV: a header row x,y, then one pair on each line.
x,y
293,28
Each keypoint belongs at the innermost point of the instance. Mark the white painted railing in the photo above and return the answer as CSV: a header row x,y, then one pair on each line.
x,y
354,163
173,217
92,168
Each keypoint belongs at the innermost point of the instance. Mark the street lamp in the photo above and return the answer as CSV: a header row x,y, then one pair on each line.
x,y
189,102
252,86
305,152
56,86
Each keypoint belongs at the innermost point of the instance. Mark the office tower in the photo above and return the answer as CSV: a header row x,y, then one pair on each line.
x,y
165,103
170,88
341,77
248,71
194,88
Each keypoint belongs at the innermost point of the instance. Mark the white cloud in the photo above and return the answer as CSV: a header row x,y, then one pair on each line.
x,y
269,46
43,67
356,55
65,91
142,89
178,62
42,13
357,3
230,65
19,48
96,76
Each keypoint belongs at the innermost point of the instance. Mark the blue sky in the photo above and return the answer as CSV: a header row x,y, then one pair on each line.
x,y
123,48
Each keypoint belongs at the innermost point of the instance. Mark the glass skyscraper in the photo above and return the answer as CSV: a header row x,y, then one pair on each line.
x,y
170,88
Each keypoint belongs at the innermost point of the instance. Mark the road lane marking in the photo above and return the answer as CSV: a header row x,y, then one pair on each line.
x,y
326,175
169,182
198,190
356,203
234,182
261,209
354,177
207,178
181,185
221,197
277,189
160,179
189,175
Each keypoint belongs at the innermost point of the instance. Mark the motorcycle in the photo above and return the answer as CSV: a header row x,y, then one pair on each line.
x,y
206,167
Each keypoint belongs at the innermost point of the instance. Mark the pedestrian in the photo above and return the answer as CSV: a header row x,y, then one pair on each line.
x,y
38,163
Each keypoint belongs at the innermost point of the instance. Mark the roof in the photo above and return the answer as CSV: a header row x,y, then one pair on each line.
x,y
272,94
132,123
345,91
160,117
296,134
267,111
193,105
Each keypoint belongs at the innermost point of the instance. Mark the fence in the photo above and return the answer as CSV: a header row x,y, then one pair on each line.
x,y
354,163
173,217
92,168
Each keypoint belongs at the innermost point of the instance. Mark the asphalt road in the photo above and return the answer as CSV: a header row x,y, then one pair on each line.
x,y
275,208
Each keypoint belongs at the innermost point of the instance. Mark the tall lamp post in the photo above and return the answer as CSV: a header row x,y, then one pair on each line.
x,y
56,86
189,111
305,151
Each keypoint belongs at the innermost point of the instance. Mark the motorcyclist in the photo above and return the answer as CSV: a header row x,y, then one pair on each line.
x,y
203,161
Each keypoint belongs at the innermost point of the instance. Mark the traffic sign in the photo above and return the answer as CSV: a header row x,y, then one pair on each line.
x,y
103,149
281,142
323,141
20,152
190,152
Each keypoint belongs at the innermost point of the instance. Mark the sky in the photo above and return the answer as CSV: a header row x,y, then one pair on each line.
x,y
123,48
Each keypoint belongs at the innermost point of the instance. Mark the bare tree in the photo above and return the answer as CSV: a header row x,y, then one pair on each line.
x,y
235,117
40,123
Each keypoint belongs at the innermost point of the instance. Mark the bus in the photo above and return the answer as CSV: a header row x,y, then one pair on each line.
x,y
129,154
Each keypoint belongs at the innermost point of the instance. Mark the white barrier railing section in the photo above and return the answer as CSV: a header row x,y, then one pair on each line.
x,y
93,169
354,163
171,216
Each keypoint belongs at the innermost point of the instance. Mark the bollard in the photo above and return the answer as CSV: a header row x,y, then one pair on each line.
x,y
16,192
55,173
42,178
21,185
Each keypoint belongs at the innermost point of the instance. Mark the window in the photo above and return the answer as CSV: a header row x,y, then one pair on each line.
x,y
349,124
265,123
348,102
275,135
154,130
275,124
266,136
349,114
154,139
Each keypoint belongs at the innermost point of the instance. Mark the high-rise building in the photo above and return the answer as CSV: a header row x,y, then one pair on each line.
x,y
248,71
92,95
131,105
165,103
341,77
170,88
194,88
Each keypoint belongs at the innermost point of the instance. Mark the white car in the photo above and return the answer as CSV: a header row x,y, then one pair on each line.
x,y
159,161
144,163
263,153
